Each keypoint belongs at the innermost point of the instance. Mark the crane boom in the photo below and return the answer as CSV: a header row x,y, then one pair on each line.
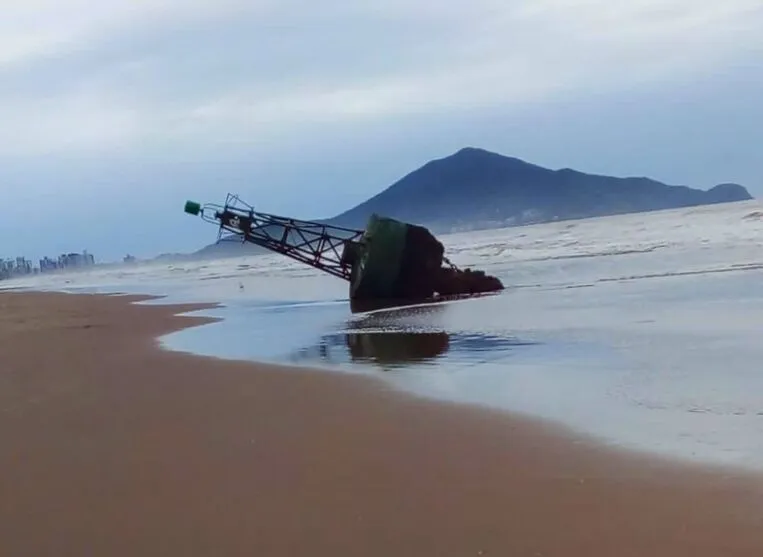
x,y
319,245
388,260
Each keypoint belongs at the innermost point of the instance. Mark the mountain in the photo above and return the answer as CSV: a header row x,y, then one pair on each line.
x,y
474,188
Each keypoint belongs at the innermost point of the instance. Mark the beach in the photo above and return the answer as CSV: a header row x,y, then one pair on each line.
x,y
113,446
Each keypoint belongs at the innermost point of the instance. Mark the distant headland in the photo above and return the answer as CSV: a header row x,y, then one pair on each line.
x,y
478,189
474,188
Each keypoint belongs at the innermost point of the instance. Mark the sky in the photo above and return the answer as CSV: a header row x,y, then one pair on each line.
x,y
112,114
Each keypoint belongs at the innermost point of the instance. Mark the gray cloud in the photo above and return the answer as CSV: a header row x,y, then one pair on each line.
x,y
143,103
257,72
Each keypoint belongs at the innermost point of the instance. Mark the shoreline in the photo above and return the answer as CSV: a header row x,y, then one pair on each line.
x,y
115,445
558,427
615,442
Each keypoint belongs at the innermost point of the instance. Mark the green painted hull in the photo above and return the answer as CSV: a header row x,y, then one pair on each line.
x,y
395,261
375,273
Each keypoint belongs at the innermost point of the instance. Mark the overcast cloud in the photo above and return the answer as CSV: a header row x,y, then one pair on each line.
x,y
310,107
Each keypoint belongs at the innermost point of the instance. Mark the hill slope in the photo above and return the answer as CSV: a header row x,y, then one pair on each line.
x,y
474,188
477,188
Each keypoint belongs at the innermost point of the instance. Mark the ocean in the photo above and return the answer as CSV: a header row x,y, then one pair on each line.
x,y
642,331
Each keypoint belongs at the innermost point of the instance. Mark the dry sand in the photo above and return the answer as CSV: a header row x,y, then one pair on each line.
x,y
112,447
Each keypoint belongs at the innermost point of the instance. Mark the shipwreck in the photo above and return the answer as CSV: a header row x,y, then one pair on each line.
x,y
389,261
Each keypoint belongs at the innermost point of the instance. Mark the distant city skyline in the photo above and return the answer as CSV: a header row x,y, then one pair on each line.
x,y
20,265
115,114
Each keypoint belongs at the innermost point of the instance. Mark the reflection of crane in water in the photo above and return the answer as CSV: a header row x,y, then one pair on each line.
x,y
386,348
397,337
388,260
397,347
384,337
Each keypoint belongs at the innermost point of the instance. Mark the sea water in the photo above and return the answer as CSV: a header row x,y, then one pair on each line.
x,y
641,330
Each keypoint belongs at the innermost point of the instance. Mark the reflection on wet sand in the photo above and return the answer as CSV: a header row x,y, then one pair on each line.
x,y
402,335
396,347
386,349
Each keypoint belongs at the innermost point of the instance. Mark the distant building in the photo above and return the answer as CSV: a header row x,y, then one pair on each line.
x,y
20,266
47,264
75,260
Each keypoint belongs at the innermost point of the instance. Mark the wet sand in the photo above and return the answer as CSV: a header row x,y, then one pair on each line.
x,y
111,446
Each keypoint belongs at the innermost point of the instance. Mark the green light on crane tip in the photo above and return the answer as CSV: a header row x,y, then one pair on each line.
x,y
192,208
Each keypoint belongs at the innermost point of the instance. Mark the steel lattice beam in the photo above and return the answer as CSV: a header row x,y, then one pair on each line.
x,y
315,244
